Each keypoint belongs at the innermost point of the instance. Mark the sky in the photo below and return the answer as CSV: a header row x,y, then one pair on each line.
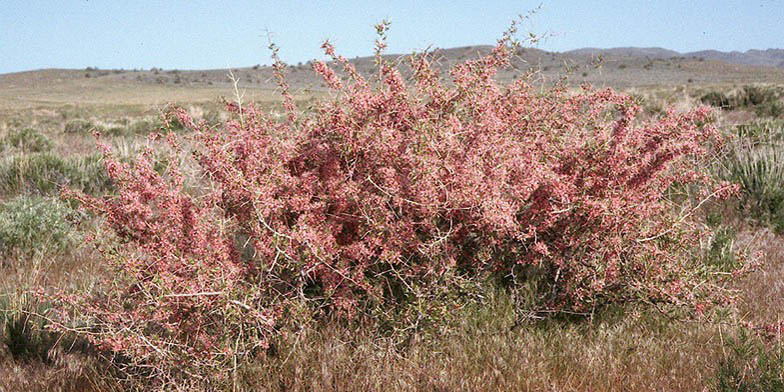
x,y
196,34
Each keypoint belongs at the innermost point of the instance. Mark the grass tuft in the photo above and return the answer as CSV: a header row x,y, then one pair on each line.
x,y
44,173
756,162
751,365
82,126
27,140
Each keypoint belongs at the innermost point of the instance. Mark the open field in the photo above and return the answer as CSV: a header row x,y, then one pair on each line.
x,y
157,87
620,348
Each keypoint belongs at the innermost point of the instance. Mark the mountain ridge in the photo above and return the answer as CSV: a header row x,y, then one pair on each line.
x,y
771,57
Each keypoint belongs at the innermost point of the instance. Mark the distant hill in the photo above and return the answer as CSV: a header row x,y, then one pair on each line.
x,y
654,53
769,57
764,58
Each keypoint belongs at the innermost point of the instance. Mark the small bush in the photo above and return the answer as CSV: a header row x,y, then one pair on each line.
x,y
716,99
89,175
116,131
756,162
143,127
35,225
751,366
148,126
44,174
27,140
81,126
773,109
764,100
755,95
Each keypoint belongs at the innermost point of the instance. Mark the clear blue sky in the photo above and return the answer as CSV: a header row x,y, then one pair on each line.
x,y
204,34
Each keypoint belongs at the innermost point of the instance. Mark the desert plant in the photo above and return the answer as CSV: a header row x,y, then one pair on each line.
x,y
716,99
40,173
24,334
161,124
761,132
764,100
27,140
773,109
756,162
751,365
44,174
81,126
144,126
720,247
384,196
755,95
116,131
35,225
760,171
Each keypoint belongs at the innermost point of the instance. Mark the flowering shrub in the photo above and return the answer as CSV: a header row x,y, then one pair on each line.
x,y
389,186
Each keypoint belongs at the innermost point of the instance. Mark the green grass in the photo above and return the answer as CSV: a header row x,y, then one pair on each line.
x,y
761,132
24,334
720,248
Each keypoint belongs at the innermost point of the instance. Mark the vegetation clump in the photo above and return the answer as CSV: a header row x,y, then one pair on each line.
x,y
756,163
81,126
27,140
751,365
387,196
35,226
716,99
764,100
45,173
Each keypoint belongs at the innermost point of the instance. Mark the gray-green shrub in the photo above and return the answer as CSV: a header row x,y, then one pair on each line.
x,y
750,365
44,173
27,140
81,126
764,100
35,225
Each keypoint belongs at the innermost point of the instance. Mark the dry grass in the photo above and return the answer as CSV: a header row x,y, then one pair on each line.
x,y
762,298
95,92
623,352
46,366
